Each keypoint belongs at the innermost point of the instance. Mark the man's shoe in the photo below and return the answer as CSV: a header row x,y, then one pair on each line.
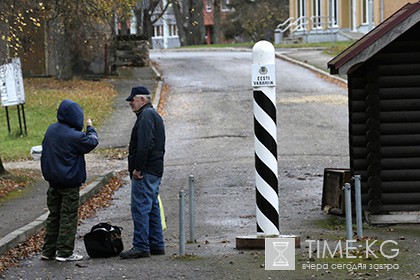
x,y
158,251
133,253
73,257
47,258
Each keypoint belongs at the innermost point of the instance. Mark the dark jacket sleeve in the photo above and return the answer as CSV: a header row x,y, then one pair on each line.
x,y
89,140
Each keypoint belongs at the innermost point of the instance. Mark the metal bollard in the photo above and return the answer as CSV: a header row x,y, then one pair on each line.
x,y
358,204
192,207
347,196
181,223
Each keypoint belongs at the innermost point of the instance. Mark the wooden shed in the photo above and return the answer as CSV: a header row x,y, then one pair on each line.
x,y
383,70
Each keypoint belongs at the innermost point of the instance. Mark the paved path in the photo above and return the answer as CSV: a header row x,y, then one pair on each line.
x,y
115,133
213,256
30,203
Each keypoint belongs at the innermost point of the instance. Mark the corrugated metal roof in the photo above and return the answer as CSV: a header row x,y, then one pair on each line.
x,y
371,43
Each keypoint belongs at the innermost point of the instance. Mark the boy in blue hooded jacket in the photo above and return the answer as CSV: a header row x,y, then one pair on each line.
x,y
63,166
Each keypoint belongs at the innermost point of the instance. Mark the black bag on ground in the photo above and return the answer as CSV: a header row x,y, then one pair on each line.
x,y
103,241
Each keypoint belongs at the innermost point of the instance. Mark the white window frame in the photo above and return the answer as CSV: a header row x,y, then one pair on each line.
x,y
173,30
158,31
317,14
335,13
301,12
209,6
365,12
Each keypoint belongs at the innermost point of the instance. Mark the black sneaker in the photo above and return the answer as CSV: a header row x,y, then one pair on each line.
x,y
157,251
133,253
47,258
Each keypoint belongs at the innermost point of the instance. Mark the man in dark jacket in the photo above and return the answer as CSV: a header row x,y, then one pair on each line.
x,y
145,164
63,166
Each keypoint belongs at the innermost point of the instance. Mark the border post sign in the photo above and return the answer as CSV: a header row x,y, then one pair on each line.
x,y
265,130
279,254
11,90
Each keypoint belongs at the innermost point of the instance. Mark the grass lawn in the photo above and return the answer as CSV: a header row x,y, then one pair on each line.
x,y
42,98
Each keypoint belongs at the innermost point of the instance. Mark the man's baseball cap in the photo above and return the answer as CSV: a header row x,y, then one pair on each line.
x,y
138,90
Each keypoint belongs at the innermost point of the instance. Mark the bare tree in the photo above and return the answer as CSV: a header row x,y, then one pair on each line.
x,y
254,20
15,20
76,29
147,13
217,21
2,170
189,19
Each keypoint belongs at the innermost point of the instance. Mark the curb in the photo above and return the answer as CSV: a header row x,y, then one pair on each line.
x,y
158,75
22,234
325,75
158,91
340,81
156,97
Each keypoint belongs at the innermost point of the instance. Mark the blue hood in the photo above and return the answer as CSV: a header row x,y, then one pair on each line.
x,y
70,113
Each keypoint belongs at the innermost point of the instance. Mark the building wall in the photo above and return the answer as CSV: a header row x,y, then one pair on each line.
x,y
208,18
384,121
172,37
382,10
292,8
345,14
392,6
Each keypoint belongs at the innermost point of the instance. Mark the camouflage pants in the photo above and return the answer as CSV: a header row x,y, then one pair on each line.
x,y
61,225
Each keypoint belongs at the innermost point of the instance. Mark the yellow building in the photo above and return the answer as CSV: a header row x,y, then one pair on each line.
x,y
335,20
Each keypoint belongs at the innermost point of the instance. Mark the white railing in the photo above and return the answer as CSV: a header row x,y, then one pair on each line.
x,y
316,23
298,24
320,22
279,27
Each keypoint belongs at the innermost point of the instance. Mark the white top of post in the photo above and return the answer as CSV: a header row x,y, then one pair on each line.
x,y
263,53
263,65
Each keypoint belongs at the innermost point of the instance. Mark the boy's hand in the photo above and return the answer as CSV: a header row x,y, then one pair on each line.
x,y
88,122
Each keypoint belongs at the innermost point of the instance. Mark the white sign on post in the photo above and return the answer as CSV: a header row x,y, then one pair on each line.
x,y
11,84
263,75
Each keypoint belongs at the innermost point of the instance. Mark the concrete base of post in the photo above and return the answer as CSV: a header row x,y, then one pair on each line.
x,y
258,242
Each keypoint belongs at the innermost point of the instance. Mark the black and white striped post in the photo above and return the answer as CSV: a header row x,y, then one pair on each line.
x,y
265,129
266,166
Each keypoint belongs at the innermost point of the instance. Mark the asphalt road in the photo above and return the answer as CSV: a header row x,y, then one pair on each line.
x,y
211,106
209,121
